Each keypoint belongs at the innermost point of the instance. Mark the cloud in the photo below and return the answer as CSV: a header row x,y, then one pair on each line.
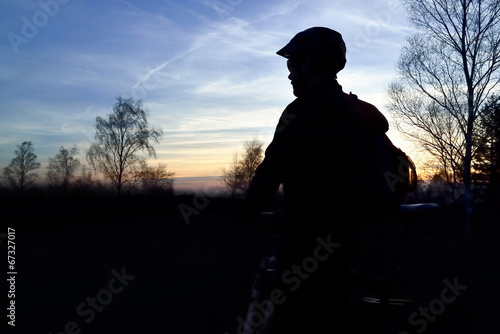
x,y
282,9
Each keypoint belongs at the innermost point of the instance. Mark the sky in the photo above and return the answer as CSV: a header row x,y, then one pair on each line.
x,y
206,70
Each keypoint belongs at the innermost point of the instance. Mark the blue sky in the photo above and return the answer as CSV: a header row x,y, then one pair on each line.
x,y
206,70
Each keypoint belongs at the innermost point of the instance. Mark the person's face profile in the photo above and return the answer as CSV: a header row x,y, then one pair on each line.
x,y
297,75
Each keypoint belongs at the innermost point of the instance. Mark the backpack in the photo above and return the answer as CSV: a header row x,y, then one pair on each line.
x,y
396,172
391,174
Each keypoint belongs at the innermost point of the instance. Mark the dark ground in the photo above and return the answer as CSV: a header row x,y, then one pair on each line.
x,y
197,278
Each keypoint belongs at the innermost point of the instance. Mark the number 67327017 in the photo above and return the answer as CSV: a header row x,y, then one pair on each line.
x,y
11,248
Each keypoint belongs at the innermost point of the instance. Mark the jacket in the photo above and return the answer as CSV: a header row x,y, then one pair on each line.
x,y
317,154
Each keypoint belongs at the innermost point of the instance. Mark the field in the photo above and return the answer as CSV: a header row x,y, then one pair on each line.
x,y
138,265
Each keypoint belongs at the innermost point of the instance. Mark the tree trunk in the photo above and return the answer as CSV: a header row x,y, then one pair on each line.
x,y
469,201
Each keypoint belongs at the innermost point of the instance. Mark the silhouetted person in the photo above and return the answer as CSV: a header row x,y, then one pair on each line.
x,y
317,155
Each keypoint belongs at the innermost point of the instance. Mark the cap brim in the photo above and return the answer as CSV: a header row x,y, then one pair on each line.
x,y
290,49
284,52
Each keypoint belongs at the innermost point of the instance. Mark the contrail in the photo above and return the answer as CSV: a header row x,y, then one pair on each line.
x,y
77,118
151,72
176,57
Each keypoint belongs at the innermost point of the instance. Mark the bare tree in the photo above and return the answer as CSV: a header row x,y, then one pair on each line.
x,y
240,172
434,130
232,177
120,139
17,173
447,70
252,158
156,180
62,168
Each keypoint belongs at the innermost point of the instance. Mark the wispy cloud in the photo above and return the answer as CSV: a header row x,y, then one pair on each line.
x,y
206,70
281,9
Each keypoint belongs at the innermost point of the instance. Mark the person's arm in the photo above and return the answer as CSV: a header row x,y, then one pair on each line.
x,y
269,174
265,183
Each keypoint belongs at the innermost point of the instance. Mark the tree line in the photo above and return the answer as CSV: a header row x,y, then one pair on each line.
x,y
125,134
123,140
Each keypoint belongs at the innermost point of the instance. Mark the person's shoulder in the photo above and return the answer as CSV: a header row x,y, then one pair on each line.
x,y
297,105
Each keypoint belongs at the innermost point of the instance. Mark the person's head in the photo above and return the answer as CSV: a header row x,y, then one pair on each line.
x,y
314,53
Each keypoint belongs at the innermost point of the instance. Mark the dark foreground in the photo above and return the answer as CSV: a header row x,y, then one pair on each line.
x,y
134,265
